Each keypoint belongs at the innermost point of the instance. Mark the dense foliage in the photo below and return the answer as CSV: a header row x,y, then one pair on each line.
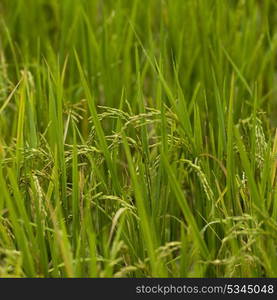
x,y
137,138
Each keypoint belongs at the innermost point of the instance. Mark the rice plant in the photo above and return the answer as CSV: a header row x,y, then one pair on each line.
x,y
138,138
